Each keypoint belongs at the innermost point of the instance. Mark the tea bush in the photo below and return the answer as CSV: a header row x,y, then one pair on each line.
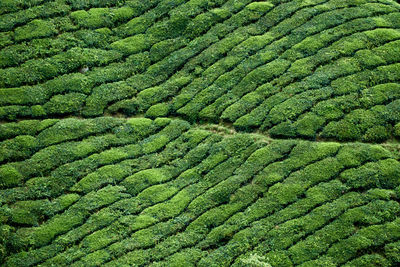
x,y
138,191
199,133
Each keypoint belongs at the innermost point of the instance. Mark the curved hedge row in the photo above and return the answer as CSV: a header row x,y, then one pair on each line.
x,y
108,154
309,69
116,192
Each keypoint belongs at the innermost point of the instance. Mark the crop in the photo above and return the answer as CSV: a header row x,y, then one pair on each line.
x,y
289,68
141,191
199,133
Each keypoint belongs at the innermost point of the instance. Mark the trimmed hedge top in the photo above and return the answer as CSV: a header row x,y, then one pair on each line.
x,y
116,192
199,133
309,69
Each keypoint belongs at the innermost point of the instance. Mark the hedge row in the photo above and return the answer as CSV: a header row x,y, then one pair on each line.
x,y
13,96
286,67
111,191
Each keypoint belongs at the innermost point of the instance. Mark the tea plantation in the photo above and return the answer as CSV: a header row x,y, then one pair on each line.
x,y
200,133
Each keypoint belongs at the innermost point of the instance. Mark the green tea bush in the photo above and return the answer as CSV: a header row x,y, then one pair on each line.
x,y
56,8
104,94
391,251
108,154
83,4
39,70
34,29
133,44
287,60
62,104
217,190
397,130
70,129
94,18
162,49
6,38
383,174
12,6
9,176
17,148
25,127
158,110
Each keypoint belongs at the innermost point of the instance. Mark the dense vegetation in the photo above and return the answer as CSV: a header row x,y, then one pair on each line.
x,y
199,133
114,191
308,69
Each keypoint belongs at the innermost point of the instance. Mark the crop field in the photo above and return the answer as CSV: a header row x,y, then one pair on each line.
x,y
200,133
116,192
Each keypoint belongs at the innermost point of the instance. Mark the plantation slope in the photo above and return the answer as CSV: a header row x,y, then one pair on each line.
x,y
311,69
140,192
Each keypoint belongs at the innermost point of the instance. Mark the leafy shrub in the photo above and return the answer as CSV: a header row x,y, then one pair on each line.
x,y
9,176
376,134
158,110
103,94
62,104
17,148
162,49
94,18
123,189
397,130
132,45
35,28
383,174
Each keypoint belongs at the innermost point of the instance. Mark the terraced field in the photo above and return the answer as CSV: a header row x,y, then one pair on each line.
x,y
199,133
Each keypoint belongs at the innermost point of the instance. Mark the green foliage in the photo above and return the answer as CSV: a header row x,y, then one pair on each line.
x,y
309,125
94,18
162,49
383,174
178,191
109,174
255,260
171,28
355,154
70,129
284,129
376,134
6,38
42,69
132,45
35,28
25,127
75,82
392,251
141,126
12,6
158,110
93,172
155,144
259,65
17,148
56,8
9,176
101,17
62,104
143,179
369,260
397,130
83,4
103,94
